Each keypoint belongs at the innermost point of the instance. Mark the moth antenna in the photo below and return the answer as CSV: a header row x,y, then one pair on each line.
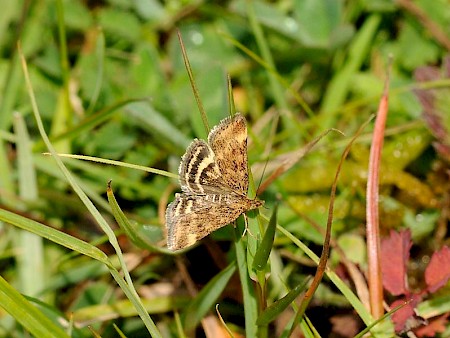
x,y
231,106
262,176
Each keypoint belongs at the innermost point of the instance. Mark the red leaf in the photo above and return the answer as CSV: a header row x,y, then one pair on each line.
x,y
436,325
402,315
437,272
405,317
394,257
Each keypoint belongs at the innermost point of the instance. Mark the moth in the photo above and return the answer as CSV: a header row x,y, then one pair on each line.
x,y
214,182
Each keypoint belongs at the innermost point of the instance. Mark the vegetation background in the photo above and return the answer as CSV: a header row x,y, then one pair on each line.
x,y
110,82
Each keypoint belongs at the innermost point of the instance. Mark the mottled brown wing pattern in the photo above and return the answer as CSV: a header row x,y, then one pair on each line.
x,y
192,217
214,181
228,141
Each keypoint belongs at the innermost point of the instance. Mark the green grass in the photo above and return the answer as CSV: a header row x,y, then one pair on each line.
x,y
107,80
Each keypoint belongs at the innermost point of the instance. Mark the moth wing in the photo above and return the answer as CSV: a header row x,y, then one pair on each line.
x,y
198,171
228,141
190,218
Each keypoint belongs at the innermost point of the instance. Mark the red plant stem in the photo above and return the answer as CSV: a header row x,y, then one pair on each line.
x,y
373,230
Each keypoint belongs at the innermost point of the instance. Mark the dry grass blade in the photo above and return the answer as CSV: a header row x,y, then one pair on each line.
x,y
284,162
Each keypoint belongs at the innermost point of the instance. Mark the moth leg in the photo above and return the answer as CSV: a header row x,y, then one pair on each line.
x,y
247,229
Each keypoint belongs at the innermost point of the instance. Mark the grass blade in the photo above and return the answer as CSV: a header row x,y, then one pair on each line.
x,y
248,291
269,314
127,284
30,259
339,85
128,228
54,235
33,320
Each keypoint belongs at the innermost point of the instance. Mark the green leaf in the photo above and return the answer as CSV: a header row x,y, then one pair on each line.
x,y
248,289
121,23
415,48
338,87
280,305
33,320
133,234
111,141
422,224
207,297
155,123
263,251
317,20
124,308
55,236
